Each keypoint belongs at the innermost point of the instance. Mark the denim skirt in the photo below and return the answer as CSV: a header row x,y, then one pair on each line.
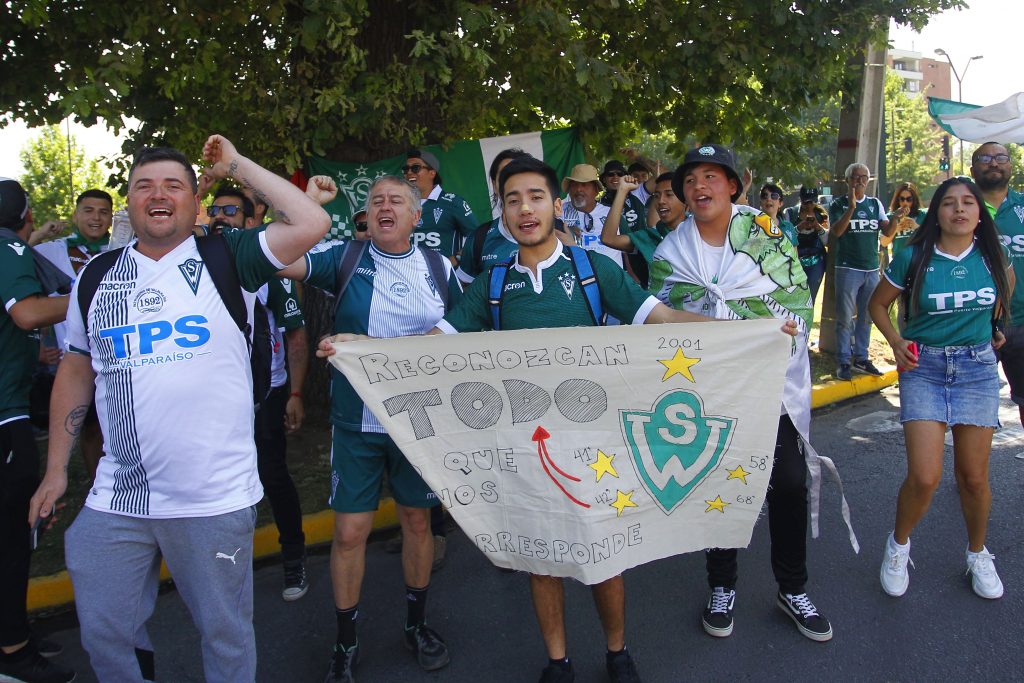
x,y
957,385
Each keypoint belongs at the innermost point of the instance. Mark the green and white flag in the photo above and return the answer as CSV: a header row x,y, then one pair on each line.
x,y
464,167
1003,122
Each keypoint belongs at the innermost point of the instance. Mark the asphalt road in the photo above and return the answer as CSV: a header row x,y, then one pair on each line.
x,y
938,630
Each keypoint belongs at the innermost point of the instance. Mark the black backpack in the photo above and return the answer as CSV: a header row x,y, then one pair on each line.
x,y
353,252
213,249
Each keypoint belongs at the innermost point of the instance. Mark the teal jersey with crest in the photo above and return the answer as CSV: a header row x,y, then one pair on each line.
x,y
20,347
955,299
555,299
634,212
1010,223
857,249
646,241
445,222
498,246
389,295
901,238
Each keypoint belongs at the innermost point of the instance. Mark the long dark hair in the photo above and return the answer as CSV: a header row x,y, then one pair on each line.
x,y
986,239
915,203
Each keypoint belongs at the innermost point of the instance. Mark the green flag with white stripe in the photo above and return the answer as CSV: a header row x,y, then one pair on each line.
x,y
1002,123
463,171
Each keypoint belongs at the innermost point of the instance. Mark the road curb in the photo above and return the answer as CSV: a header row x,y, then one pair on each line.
x,y
47,592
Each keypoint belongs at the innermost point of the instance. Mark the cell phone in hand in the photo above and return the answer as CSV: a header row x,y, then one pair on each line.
x,y
36,533
911,348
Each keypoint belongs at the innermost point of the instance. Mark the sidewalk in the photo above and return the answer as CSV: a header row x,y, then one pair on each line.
x,y
48,592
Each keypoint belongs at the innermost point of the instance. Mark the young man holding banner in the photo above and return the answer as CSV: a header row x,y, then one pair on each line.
x,y
542,289
731,262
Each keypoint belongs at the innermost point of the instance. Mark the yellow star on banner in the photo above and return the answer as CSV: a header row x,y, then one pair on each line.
x,y
716,504
623,501
604,465
738,473
679,364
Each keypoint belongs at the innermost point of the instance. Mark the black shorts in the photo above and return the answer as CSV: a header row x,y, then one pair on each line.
x,y
1011,355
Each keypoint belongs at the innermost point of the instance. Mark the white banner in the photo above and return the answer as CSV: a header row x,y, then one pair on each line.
x,y
585,451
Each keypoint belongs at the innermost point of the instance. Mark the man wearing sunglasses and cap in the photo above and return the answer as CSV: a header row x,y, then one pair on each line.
x,y
447,218
733,262
991,168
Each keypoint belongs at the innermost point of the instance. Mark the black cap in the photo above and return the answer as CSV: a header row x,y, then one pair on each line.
x,y
719,155
613,165
13,204
808,194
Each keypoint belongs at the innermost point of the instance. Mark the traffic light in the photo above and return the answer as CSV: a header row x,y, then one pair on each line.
x,y
908,144
944,158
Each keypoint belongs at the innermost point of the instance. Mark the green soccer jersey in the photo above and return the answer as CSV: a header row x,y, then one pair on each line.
x,y
647,240
446,221
498,246
901,238
20,348
1010,222
955,299
858,247
283,302
634,213
554,299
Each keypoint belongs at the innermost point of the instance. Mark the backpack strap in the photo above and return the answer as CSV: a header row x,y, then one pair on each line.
x,y
435,264
350,257
89,279
588,281
495,290
213,249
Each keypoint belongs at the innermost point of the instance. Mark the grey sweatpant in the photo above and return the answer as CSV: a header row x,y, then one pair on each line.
x,y
114,563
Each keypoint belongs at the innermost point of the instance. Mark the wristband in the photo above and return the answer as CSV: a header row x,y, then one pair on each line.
x,y
295,394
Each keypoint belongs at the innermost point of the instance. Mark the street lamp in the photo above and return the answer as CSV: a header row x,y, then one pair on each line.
x,y
959,88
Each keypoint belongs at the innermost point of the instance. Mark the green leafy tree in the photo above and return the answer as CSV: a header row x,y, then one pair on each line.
x,y
56,172
357,80
907,118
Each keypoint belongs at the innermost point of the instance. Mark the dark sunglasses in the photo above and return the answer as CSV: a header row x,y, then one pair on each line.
x,y
413,168
771,195
614,174
989,158
230,210
360,226
905,198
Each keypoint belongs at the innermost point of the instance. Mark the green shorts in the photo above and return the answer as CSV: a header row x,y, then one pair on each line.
x,y
358,461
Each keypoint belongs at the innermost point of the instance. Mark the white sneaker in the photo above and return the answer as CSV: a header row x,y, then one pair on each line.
x,y
894,575
984,579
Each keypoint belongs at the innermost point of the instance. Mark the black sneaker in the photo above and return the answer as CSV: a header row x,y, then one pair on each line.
x,y
47,648
717,617
342,663
621,668
843,372
866,367
33,668
295,582
431,652
803,613
553,673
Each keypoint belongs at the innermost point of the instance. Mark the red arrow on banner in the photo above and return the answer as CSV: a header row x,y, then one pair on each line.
x,y
540,435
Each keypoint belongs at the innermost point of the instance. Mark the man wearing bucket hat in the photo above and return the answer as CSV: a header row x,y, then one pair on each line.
x,y
732,262
582,214
447,218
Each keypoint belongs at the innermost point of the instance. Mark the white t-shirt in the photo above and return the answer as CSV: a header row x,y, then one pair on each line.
x,y
590,226
173,383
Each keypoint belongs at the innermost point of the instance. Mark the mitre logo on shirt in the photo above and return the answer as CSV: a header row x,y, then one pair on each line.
x,y
192,271
568,282
18,248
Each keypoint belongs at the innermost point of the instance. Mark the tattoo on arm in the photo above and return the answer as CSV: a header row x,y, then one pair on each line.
x,y
258,194
75,419
232,167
